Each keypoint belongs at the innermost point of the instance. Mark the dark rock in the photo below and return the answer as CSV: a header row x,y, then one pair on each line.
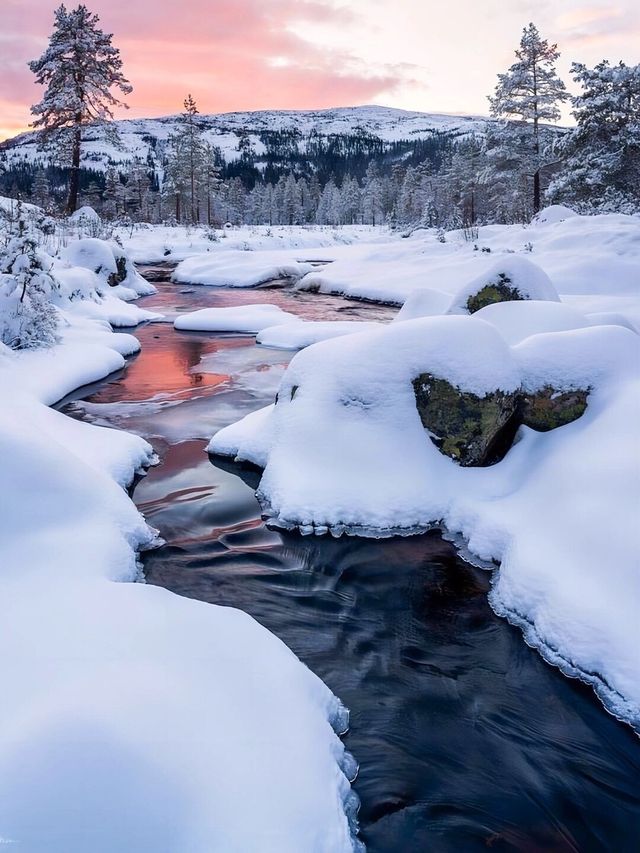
x,y
472,430
119,276
496,291
548,408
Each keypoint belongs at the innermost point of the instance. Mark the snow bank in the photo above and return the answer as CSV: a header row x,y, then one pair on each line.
x,y
305,333
191,723
244,318
591,260
238,269
161,702
519,320
153,244
344,450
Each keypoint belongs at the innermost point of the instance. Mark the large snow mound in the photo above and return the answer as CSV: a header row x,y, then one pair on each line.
x,y
344,450
245,318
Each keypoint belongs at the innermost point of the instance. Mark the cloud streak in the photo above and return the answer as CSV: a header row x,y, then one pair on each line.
x,y
230,54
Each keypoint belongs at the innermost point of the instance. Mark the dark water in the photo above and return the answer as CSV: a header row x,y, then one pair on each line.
x,y
466,739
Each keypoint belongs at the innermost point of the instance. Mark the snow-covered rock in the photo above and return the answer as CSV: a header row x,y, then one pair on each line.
x,y
509,279
111,264
244,318
344,450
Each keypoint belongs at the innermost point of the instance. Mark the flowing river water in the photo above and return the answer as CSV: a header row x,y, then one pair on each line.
x,y
466,739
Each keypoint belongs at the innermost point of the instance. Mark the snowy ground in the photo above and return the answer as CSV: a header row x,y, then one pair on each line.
x,y
187,717
344,448
129,712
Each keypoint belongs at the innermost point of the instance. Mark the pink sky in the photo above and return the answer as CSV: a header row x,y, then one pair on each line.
x,y
258,54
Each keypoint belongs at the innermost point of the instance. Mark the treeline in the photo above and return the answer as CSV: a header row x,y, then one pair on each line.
x,y
520,162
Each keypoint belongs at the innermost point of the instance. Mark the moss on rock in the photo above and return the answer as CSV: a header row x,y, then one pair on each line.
x,y
549,409
472,430
496,291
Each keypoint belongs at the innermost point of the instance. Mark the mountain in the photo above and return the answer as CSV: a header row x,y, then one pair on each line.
x,y
269,136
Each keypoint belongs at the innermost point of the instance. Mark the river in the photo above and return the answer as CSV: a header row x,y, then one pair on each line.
x,y
466,739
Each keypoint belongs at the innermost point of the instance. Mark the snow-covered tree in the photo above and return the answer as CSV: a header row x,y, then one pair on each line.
x,y
28,319
79,68
41,190
189,165
530,92
601,163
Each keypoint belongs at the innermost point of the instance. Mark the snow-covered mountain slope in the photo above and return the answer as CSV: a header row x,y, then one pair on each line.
x,y
144,139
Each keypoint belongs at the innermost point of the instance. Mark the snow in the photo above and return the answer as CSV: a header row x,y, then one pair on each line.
x,y
244,318
83,215
591,261
519,320
238,269
101,257
517,273
554,213
161,702
161,243
144,140
344,450
121,698
303,334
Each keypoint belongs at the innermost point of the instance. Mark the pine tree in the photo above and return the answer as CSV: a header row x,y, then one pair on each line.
x,y
530,91
601,164
28,319
41,190
79,68
187,165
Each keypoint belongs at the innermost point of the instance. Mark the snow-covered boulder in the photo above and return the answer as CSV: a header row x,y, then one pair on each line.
x,y
110,263
511,278
553,214
84,215
244,318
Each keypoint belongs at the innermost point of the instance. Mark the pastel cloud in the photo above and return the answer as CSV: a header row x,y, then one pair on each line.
x,y
230,54
258,54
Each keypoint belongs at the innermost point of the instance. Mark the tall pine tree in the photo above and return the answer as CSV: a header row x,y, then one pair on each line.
x,y
79,68
530,91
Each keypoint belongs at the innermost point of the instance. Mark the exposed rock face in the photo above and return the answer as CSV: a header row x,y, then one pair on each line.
x,y
500,290
119,276
478,431
548,408
470,429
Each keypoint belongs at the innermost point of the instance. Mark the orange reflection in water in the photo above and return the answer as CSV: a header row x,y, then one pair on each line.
x,y
165,364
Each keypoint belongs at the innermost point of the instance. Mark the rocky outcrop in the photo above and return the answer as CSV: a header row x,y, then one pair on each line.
x,y
117,277
472,430
549,409
478,431
500,290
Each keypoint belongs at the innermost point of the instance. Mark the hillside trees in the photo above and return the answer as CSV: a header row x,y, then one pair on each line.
x,y
601,155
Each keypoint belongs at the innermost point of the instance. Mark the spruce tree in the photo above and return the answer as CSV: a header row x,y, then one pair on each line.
x,y
601,162
79,68
530,92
